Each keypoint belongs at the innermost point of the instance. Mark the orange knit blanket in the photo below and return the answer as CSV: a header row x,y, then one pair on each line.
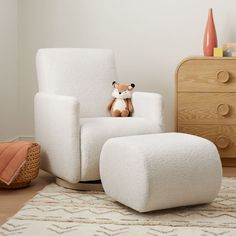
x,y
12,157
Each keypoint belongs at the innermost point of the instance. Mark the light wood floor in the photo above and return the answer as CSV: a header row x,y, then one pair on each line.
x,y
12,200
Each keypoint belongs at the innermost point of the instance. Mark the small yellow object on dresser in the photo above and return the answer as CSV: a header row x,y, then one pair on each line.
x,y
206,102
218,52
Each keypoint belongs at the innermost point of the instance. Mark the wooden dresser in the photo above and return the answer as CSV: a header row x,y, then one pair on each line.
x,y
206,102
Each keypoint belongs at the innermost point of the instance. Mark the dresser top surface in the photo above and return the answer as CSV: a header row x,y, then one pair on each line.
x,y
202,58
207,58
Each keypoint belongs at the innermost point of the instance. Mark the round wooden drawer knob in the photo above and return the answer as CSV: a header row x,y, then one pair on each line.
x,y
223,109
222,142
223,76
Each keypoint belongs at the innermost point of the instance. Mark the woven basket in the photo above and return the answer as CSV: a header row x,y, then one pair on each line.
x,y
29,170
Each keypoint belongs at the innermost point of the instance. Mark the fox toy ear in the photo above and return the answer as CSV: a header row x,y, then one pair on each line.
x,y
131,86
114,83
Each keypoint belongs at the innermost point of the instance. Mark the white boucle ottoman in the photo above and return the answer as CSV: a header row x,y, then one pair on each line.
x,y
158,171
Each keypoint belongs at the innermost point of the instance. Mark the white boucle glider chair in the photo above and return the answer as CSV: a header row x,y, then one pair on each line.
x,y
71,118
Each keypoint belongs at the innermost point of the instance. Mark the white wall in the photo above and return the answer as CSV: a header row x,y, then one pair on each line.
x,y
149,38
8,70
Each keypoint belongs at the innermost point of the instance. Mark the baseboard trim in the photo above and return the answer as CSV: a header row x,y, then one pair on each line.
x,y
11,139
21,138
26,138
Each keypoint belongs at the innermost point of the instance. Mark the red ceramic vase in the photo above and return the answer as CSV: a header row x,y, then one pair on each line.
x,y
210,37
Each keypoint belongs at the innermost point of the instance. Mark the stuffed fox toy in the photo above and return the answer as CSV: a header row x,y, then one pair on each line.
x,y
121,104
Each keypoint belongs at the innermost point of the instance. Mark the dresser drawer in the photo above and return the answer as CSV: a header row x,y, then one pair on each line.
x,y
207,75
206,108
224,136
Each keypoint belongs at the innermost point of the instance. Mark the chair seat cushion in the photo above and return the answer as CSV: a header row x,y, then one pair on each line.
x,y
158,171
96,131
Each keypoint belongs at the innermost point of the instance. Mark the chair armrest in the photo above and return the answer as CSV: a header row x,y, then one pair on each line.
x,y
148,105
57,131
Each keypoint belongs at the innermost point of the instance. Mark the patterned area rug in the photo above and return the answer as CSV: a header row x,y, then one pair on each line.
x,y
59,211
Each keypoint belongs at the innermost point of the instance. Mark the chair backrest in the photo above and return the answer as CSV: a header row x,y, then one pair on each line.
x,y
84,73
